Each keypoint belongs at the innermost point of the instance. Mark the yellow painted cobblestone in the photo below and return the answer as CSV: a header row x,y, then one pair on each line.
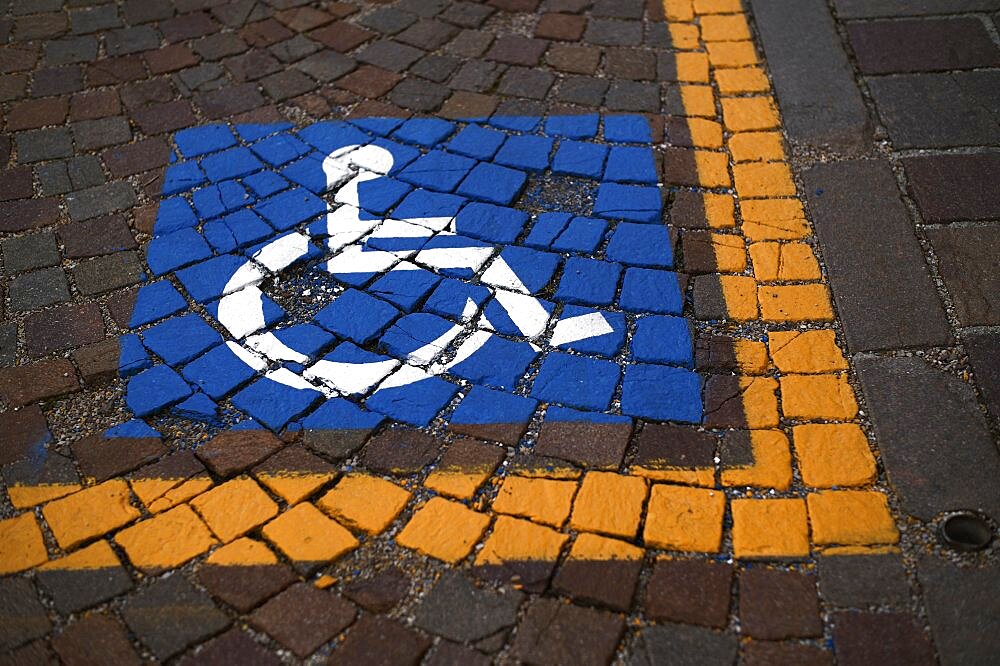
x,y
365,502
749,114
851,518
763,180
811,397
21,544
609,503
234,508
546,501
806,352
698,100
740,294
243,552
833,454
90,513
770,528
742,80
756,147
724,28
683,518
167,540
773,219
732,54
444,530
795,302
517,540
304,534
98,555
26,496
784,262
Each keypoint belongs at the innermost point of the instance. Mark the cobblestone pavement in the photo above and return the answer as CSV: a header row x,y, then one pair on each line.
x,y
543,331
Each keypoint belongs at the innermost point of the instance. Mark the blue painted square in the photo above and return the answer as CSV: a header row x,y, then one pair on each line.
x,y
182,177
274,404
583,126
218,372
487,222
483,405
169,252
290,208
445,241
641,245
546,229
451,298
331,135
207,280
582,234
174,214
631,164
307,172
203,140
627,129
132,355
254,131
648,290
180,339
379,126
588,281
534,268
521,123
153,389
576,381
404,288
306,339
379,195
580,158
660,339
527,152
280,149
231,163
437,170
236,230
662,392
417,331
199,407
494,184
415,403
340,414
265,183
155,300
499,363
427,132
604,344
356,316
476,142
424,204
220,198
638,203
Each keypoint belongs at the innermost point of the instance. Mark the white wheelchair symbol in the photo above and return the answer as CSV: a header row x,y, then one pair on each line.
x,y
241,309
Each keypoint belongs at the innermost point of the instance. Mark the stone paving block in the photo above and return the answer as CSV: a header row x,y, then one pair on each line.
x,y
932,110
963,614
689,592
38,289
820,102
555,632
600,491
90,513
681,518
954,187
757,653
884,47
858,581
234,644
365,502
95,638
964,261
22,547
892,8
519,551
25,384
380,640
889,637
775,528
380,592
171,614
443,529
684,645
921,471
883,312
984,355
23,615
303,617
775,605
457,610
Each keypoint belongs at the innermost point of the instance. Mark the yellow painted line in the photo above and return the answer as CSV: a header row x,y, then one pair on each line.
x,y
793,383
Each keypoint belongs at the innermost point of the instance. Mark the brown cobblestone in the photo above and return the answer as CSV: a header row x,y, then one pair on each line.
x,y
38,381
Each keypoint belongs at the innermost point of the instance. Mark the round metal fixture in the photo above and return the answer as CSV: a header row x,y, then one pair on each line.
x,y
965,531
